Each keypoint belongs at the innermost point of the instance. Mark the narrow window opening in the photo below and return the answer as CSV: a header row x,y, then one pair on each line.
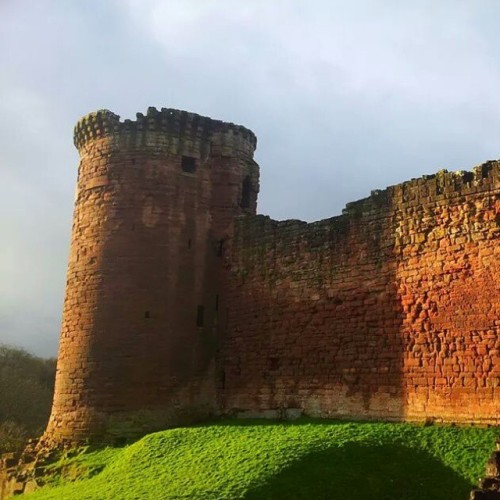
x,y
189,243
220,249
188,164
147,315
246,189
223,379
216,302
200,316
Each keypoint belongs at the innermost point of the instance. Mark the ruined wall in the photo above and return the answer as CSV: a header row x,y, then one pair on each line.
x,y
391,310
156,197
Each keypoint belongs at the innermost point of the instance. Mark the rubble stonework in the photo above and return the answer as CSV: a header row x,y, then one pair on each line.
x,y
489,486
24,472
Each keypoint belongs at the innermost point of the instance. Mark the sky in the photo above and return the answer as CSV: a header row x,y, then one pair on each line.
x,y
344,97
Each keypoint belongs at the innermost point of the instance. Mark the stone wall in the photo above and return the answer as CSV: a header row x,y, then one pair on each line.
x,y
389,311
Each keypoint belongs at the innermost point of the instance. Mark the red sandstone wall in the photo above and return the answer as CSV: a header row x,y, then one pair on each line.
x,y
140,323
389,311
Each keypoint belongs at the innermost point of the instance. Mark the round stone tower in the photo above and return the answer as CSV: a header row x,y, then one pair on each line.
x,y
143,312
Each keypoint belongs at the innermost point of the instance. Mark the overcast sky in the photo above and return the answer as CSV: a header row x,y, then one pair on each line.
x,y
344,97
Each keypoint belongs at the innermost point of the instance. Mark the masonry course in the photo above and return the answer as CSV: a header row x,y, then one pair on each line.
x,y
182,303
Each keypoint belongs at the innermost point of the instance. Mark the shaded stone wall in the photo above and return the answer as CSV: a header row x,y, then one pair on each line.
x,y
156,197
388,311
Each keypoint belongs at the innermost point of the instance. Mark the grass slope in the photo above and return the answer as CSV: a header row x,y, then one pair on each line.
x,y
307,459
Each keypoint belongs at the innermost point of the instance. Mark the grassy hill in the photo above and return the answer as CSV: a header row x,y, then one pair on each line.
x,y
306,459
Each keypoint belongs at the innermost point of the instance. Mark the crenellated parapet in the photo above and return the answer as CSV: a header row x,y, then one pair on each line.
x,y
171,130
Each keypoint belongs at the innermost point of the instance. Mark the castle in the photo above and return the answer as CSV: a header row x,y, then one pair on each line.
x,y
182,303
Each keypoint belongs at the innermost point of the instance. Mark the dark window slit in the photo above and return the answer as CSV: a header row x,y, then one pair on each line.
x,y
200,313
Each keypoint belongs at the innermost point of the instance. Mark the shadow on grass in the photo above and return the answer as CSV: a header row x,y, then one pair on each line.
x,y
357,472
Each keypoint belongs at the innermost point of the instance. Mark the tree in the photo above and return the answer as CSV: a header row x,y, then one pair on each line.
x,y
26,391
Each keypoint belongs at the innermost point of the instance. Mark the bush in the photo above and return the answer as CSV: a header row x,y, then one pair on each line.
x,y
13,436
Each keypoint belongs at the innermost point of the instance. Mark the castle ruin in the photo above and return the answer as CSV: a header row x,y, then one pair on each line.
x,y
182,303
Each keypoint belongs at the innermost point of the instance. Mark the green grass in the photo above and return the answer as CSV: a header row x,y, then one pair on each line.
x,y
307,459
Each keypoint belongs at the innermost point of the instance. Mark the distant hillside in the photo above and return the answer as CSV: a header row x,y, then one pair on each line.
x,y
303,460
26,389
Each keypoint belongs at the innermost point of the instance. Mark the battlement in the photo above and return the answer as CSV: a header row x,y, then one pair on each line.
x,y
165,129
437,187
